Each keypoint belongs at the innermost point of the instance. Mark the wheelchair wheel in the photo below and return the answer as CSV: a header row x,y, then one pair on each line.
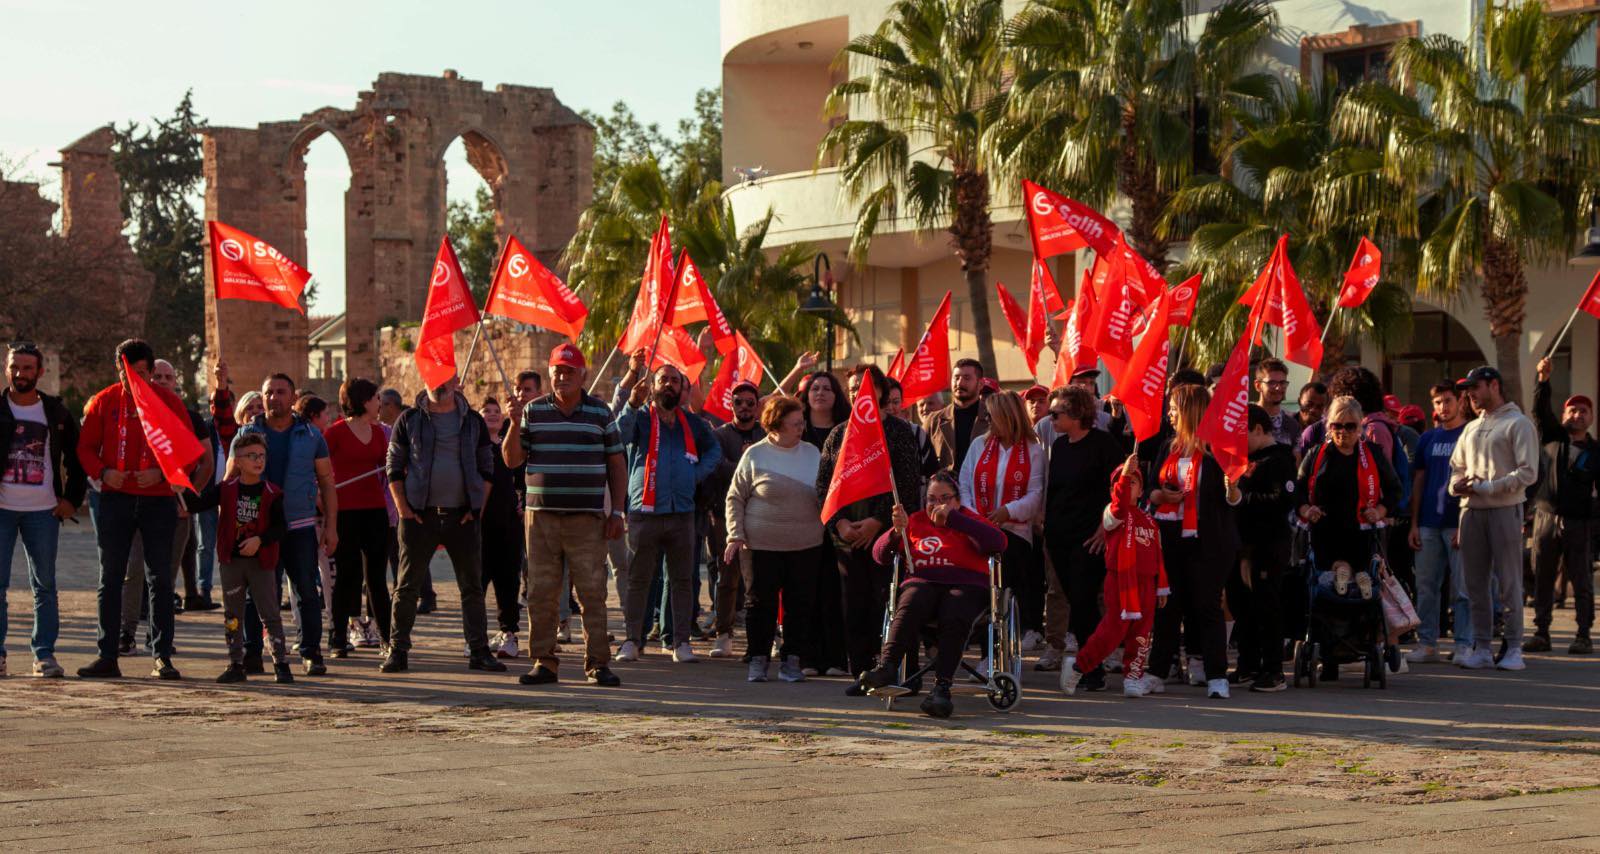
x,y
1005,694
1011,662
1303,664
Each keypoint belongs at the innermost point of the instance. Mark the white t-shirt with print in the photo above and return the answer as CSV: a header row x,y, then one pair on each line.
x,y
27,481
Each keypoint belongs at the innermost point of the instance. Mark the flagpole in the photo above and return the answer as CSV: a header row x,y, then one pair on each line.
x,y
1329,326
511,392
477,331
604,366
1563,334
489,297
1183,341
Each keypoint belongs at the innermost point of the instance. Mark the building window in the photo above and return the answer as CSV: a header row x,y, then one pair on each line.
x,y
1354,56
1344,69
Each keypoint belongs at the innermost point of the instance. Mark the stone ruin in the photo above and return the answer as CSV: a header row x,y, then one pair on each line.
x,y
535,154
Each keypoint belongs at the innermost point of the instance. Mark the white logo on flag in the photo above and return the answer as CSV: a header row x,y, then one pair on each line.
x,y
517,266
864,411
231,249
441,274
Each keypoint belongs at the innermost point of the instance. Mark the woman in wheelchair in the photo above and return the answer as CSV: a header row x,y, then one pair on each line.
x,y
947,582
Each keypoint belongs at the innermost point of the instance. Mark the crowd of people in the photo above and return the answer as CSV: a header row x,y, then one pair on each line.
x,y
1138,557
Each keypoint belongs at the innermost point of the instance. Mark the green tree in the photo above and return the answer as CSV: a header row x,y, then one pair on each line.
x,y
471,227
1108,93
700,135
160,170
1496,145
930,82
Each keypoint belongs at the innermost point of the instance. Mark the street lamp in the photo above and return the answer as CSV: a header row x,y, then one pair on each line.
x,y
819,303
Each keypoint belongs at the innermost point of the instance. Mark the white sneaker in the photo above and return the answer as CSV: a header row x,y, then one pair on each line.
x,y
724,648
1049,660
508,646
48,668
1070,677
368,632
1195,672
1478,659
1462,650
1032,641
757,672
1512,660
1071,642
1143,686
684,654
466,649
564,634
1217,689
835,672
1423,655
809,672
629,651
790,670
496,641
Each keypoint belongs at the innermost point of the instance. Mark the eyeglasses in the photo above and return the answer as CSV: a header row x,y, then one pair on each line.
x,y
1275,383
1343,426
253,456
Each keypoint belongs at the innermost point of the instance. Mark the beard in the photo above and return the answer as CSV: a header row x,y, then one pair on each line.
x,y
439,395
23,384
666,399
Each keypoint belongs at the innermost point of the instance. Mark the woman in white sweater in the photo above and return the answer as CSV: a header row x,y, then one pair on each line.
x,y
1002,480
774,517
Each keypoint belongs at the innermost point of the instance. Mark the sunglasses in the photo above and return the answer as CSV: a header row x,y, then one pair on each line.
x,y
1344,426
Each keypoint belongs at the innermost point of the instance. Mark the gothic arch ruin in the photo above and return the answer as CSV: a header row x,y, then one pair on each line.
x,y
535,154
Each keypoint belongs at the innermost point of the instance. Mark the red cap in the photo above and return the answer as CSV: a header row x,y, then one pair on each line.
x,y
1391,402
1411,412
1035,392
1579,400
567,353
990,384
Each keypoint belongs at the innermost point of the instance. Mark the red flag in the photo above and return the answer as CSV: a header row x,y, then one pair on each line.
x,y
927,369
1181,307
897,365
1362,276
246,267
526,291
1076,351
169,434
1591,297
695,302
1286,307
1044,280
862,469
1040,292
677,347
656,294
1019,326
1226,424
742,365
1059,225
450,307
1112,332
1143,383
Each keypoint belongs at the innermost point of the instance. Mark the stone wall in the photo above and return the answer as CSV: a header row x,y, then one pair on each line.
x,y
520,348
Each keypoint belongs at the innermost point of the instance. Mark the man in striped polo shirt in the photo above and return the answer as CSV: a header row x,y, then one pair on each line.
x,y
569,445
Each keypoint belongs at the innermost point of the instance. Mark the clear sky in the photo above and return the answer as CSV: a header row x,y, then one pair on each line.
x,y
73,65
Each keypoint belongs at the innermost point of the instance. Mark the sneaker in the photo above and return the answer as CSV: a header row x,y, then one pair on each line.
x,y
1049,660
1460,652
938,703
1580,646
1540,642
253,663
312,667
485,660
1195,672
1364,584
101,668
1143,686
1032,641
791,671
684,654
163,669
1512,660
628,652
508,646
1217,689
1070,676
1480,658
1268,683
724,648
1423,655
564,633
810,672
495,640
1071,643
368,636
1341,578
654,635
603,677
45,668
882,681
234,673
283,674
757,671
394,662
836,672
1094,680
539,675
1113,663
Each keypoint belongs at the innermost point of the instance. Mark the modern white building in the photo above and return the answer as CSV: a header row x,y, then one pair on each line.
x,y
778,66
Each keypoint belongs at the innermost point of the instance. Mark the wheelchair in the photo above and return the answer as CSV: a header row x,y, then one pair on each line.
x,y
999,631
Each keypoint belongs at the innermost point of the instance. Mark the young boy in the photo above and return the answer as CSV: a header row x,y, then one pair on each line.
x,y
1254,594
250,525
1136,585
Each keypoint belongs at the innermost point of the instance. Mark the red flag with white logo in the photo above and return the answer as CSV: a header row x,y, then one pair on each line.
x,y
1059,225
1113,329
169,434
1286,307
1226,424
897,365
862,469
450,307
1143,383
1076,351
526,291
1362,276
1591,297
1045,282
1019,326
1040,293
695,302
656,294
742,365
927,369
1184,295
677,348
247,267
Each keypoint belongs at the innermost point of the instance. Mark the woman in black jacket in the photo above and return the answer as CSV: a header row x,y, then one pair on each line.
x,y
1346,488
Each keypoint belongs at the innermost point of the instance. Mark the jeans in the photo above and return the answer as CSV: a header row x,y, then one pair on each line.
x,y
297,557
419,538
1438,562
207,561
38,530
652,536
132,613
244,575
117,517
1491,553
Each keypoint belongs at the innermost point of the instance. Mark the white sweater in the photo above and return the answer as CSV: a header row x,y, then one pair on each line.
x,y
772,502
1025,509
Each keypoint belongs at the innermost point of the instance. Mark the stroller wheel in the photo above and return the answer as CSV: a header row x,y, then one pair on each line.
x,y
1005,694
1301,667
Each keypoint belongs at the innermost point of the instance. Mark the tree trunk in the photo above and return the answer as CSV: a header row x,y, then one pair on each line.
x,y
1505,297
1136,179
972,237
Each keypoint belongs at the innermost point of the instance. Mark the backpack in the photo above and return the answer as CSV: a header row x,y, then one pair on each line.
x,y
1400,459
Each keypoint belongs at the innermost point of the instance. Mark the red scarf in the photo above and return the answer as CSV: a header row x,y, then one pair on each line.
x,y
1369,490
1018,470
1189,511
647,502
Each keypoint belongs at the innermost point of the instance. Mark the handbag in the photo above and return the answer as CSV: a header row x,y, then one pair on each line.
x,y
1398,614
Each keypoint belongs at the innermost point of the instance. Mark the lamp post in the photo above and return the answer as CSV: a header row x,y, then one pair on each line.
x,y
819,303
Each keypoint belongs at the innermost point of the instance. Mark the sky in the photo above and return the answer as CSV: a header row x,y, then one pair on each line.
x,y
73,65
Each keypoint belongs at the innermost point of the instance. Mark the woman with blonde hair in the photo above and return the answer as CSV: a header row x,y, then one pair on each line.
x,y
1002,480
1193,502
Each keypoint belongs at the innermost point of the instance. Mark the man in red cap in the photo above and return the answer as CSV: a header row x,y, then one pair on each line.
x,y
1563,509
1037,399
571,454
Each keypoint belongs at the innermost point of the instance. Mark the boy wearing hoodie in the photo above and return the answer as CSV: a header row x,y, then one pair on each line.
x,y
1264,532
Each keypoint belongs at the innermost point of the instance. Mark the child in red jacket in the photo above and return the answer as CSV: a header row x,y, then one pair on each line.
x,y
1136,584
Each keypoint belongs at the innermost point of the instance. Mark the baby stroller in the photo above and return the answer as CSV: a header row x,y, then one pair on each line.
x,y
1344,630
1001,675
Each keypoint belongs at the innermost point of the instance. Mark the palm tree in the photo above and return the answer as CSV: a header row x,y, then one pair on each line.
x,y
606,256
1288,176
1495,144
932,81
1107,94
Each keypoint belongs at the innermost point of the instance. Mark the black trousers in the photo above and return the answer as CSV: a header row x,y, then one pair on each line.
x,y
1022,570
828,634
362,554
866,597
434,527
1559,541
794,576
1082,577
955,606
1195,605
1258,607
502,570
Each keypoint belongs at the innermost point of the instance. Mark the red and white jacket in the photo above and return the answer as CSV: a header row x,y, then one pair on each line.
x,y
1133,549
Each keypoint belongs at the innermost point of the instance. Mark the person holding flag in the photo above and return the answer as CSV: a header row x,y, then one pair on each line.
x,y
138,443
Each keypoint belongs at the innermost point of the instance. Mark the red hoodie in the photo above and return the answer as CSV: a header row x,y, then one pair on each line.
x,y
1133,548
113,438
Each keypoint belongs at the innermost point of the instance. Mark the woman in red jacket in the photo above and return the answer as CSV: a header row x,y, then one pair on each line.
x,y
948,581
